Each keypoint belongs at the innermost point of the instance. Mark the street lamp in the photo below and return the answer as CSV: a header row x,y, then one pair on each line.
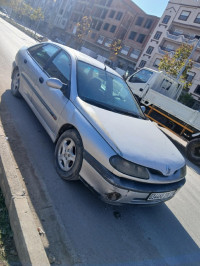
x,y
194,49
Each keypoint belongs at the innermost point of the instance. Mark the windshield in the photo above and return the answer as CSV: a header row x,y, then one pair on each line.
x,y
141,76
105,90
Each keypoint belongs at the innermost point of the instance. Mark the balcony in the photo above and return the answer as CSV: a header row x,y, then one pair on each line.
x,y
163,50
196,64
181,37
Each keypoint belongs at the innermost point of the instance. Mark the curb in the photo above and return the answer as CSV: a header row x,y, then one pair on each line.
x,y
27,240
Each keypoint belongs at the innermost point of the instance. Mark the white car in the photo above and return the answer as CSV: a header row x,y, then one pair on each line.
x,y
101,135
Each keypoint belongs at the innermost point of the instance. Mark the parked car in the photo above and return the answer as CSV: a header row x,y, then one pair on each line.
x,y
100,133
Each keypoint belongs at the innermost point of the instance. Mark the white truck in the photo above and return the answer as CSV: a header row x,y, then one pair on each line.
x,y
159,93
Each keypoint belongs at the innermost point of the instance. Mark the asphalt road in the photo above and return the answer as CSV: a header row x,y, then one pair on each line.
x,y
95,233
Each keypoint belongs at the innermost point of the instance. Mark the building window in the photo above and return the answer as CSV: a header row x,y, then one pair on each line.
x,y
197,19
141,38
148,23
104,13
98,27
125,49
142,63
106,26
184,15
113,28
109,2
121,33
112,13
157,35
132,35
108,42
135,54
190,76
94,23
119,15
139,21
197,90
100,39
166,19
150,50
93,35
156,62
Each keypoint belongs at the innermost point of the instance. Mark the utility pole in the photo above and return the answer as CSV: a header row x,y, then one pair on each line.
x,y
194,49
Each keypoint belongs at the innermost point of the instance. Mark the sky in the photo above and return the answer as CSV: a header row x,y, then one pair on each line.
x,y
152,7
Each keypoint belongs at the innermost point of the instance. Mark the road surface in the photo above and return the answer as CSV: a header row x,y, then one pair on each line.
x,y
92,232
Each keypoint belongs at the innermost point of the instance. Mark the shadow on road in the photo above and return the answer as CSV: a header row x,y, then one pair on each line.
x,y
93,232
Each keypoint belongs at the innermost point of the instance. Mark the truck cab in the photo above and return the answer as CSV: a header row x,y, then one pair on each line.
x,y
148,79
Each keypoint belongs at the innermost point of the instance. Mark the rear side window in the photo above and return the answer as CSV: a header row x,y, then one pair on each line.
x,y
43,53
60,67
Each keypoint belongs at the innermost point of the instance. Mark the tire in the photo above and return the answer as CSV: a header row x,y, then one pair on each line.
x,y
69,155
15,84
193,150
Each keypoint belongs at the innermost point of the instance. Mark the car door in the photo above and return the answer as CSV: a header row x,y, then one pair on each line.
x,y
49,100
35,58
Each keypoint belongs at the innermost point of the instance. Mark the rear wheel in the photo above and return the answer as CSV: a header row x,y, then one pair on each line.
x,y
193,150
15,84
69,155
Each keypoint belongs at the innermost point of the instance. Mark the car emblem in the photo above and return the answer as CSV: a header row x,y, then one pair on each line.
x,y
168,170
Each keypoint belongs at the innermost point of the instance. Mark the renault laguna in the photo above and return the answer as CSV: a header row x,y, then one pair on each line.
x,y
100,133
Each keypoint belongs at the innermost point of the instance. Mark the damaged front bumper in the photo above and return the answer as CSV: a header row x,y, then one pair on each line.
x,y
118,190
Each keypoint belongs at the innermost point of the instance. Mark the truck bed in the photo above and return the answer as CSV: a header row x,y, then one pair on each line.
x,y
184,113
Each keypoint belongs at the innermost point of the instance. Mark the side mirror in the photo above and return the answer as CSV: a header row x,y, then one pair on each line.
x,y
125,76
143,108
54,83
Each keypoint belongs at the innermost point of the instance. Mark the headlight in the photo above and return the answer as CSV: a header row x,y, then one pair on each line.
x,y
129,168
183,171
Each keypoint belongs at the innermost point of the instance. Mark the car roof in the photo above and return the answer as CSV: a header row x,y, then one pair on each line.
x,y
77,55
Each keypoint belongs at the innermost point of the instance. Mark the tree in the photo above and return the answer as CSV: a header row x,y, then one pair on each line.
x,y
26,10
173,65
82,29
186,99
115,48
36,16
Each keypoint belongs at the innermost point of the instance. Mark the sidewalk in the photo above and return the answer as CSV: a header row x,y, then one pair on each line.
x,y
27,239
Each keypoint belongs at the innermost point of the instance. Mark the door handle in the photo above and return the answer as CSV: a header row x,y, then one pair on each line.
x,y
41,80
25,61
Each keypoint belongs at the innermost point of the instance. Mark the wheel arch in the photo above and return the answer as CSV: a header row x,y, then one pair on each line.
x,y
15,67
64,128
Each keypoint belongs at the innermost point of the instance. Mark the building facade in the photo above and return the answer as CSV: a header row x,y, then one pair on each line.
x,y
180,23
111,19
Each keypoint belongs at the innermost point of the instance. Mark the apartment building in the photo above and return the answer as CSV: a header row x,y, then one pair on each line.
x,y
180,23
111,19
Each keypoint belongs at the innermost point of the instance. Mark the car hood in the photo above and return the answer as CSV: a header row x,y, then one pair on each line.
x,y
136,140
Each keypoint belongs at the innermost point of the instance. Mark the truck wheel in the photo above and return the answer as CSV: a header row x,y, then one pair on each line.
x,y
69,155
193,150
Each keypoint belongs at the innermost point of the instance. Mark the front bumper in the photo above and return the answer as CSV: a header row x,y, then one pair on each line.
x,y
102,181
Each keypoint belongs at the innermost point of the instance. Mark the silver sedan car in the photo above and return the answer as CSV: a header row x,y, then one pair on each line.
x,y
100,133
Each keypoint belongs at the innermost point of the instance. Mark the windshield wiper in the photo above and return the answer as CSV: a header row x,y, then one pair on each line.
x,y
112,108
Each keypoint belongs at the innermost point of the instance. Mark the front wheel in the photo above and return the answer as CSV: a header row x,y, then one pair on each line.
x,y
15,84
193,150
69,155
